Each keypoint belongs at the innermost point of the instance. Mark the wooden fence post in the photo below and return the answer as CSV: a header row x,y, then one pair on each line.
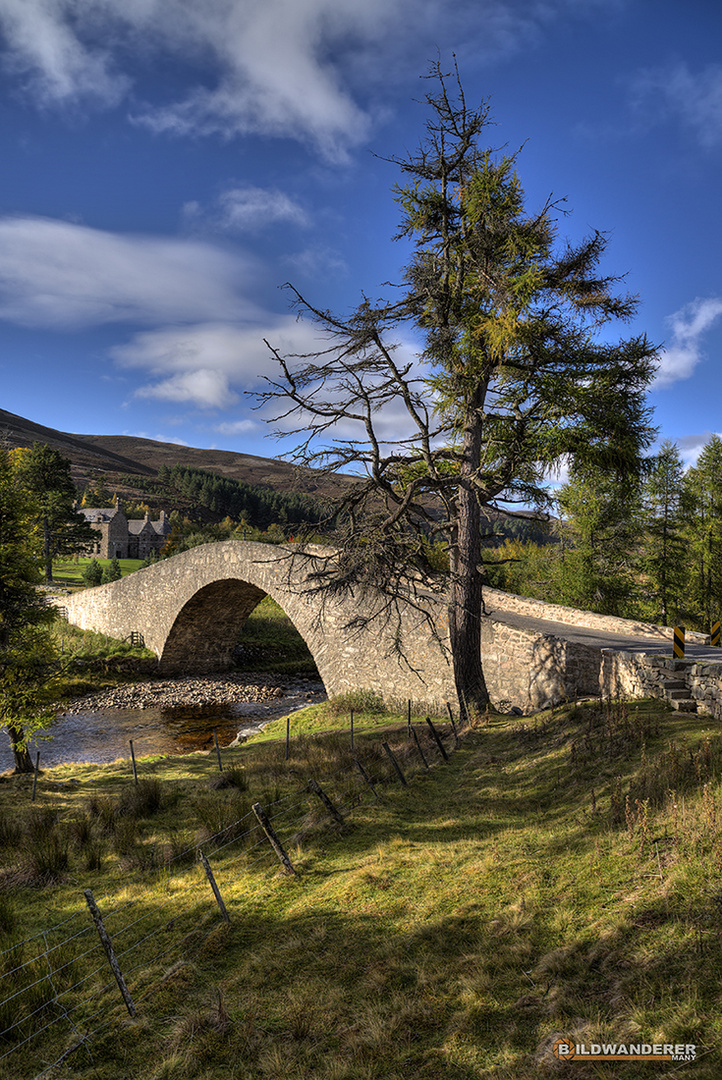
x,y
218,750
132,755
107,945
453,725
392,758
439,743
418,747
318,790
270,833
214,886
366,776
35,776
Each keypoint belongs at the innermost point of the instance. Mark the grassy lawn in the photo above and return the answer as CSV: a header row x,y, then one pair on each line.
x,y
68,572
560,875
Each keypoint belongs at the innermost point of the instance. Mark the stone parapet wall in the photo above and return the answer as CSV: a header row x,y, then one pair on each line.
x,y
533,671
496,600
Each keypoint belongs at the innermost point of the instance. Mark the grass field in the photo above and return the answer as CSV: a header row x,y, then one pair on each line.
x,y
68,573
560,875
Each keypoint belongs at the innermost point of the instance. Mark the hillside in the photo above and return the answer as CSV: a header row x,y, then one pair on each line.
x,y
119,457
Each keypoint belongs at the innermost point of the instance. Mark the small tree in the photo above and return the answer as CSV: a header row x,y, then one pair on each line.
x,y
92,573
601,519
513,374
111,572
45,473
703,487
665,508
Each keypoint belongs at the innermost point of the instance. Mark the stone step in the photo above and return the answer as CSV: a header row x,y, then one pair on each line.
x,y
684,704
673,684
677,695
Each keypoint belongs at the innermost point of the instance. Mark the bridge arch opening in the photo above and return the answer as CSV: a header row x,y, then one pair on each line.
x,y
214,622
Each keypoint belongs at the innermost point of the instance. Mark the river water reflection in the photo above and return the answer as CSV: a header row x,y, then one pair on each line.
x,y
100,736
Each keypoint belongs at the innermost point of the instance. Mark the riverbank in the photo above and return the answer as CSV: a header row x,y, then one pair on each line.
x,y
196,691
168,716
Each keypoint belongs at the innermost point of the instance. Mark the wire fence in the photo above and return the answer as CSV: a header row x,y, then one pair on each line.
x,y
64,984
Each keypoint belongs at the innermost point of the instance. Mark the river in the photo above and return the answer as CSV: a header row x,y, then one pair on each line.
x,y
103,734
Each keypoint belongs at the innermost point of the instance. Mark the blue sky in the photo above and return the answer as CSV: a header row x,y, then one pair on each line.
x,y
168,164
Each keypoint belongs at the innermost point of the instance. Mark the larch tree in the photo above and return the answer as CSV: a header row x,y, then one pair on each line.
x,y
601,518
516,370
703,486
665,509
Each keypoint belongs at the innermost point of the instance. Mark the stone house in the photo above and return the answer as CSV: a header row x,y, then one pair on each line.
x,y
123,539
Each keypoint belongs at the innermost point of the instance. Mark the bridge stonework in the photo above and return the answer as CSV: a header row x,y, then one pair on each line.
x,y
190,609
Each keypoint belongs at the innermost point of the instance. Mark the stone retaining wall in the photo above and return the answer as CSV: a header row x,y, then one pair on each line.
x,y
684,684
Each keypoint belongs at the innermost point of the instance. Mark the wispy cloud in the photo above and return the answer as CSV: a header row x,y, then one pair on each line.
x,y
203,363
688,325
62,275
676,92
269,67
691,446
300,69
246,209
46,54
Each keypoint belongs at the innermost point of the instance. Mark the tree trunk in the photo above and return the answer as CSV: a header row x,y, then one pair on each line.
x,y
23,761
47,556
466,599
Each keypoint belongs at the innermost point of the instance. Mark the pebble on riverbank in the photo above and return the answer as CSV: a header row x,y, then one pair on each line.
x,y
195,691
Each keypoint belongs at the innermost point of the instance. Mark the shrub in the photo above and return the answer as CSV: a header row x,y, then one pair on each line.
x,y
361,701
103,809
111,572
92,573
224,818
230,778
48,857
143,799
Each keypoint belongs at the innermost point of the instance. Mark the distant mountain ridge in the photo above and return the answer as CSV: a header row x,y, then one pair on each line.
x,y
123,456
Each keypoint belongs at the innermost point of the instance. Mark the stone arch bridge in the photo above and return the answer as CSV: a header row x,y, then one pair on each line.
x,y
190,609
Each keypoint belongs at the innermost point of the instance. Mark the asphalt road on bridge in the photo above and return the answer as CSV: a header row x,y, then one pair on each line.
x,y
603,639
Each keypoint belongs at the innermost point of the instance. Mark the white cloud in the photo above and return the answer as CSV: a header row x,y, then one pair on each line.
x,y
63,275
247,209
201,364
691,446
288,68
240,427
271,66
205,388
158,437
317,262
679,359
693,98
44,51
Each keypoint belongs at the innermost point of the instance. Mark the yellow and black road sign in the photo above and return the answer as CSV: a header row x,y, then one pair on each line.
x,y
678,643
715,633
